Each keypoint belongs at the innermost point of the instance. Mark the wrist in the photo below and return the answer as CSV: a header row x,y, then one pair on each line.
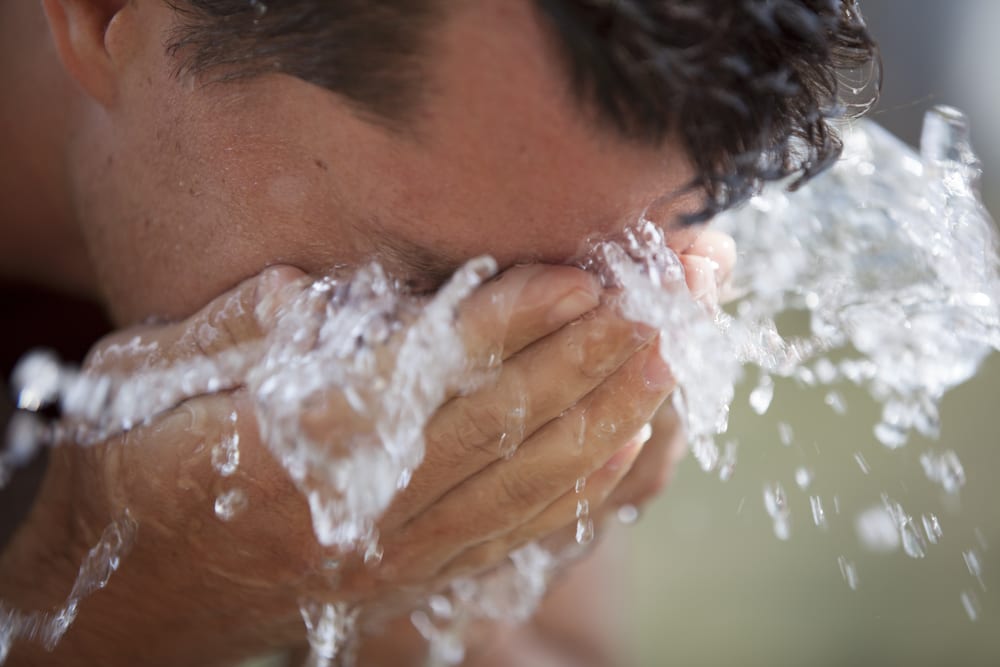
x,y
157,608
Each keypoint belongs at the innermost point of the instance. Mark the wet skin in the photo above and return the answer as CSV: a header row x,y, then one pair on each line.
x,y
181,190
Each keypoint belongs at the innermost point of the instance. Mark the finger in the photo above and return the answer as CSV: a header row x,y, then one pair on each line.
x,y
238,316
510,492
534,387
655,465
699,273
521,305
718,247
572,510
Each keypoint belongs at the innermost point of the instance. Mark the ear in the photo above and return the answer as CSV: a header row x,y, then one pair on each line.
x,y
82,31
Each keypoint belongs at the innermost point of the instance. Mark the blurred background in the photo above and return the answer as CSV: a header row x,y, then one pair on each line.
x,y
710,584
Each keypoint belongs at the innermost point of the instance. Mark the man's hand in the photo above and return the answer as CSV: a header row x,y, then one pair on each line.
x,y
586,380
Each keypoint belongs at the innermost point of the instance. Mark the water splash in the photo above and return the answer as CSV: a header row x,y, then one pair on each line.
x,y
342,346
98,565
890,255
511,593
329,627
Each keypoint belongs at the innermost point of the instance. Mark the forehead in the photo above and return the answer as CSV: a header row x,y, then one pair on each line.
x,y
505,147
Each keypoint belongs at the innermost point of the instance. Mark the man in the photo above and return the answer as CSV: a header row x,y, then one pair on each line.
x,y
165,152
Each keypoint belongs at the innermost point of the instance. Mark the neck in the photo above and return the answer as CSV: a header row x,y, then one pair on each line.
x,y
39,240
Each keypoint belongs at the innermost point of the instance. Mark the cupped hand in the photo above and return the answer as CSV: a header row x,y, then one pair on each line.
x,y
580,381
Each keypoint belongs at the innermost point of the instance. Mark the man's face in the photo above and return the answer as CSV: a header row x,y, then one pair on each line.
x,y
185,188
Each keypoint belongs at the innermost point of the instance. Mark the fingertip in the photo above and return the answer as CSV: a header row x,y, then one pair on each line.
x,y
718,247
700,275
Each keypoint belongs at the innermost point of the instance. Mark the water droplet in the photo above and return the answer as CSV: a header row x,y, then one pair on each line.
x,y
804,375
803,478
514,427
825,371
628,514
974,566
912,540
944,469
584,524
785,433
230,503
727,463
836,402
26,434
36,380
890,435
862,463
581,484
584,531
776,504
971,605
932,528
849,572
762,395
226,455
819,516
441,606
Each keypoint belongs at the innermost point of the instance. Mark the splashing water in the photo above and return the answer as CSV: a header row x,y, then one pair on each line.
x,y
329,627
95,571
350,472
890,255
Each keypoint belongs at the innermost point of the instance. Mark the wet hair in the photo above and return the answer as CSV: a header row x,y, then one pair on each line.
x,y
749,87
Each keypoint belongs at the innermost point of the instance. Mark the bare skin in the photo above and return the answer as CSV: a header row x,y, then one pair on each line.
x,y
173,192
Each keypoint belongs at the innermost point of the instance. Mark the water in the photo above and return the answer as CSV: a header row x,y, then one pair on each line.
x,y
776,504
889,256
849,572
226,454
48,627
231,503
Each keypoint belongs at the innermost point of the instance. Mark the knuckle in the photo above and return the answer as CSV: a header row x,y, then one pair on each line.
x,y
518,495
478,425
604,346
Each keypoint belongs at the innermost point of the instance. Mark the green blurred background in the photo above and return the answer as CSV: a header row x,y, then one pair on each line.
x,y
710,582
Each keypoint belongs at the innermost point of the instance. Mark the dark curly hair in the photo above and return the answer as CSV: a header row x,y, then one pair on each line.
x,y
748,86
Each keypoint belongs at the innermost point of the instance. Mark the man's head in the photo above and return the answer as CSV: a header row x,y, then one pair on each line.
x,y
229,134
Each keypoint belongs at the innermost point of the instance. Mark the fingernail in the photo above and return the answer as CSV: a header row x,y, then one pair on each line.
x,y
656,373
573,305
